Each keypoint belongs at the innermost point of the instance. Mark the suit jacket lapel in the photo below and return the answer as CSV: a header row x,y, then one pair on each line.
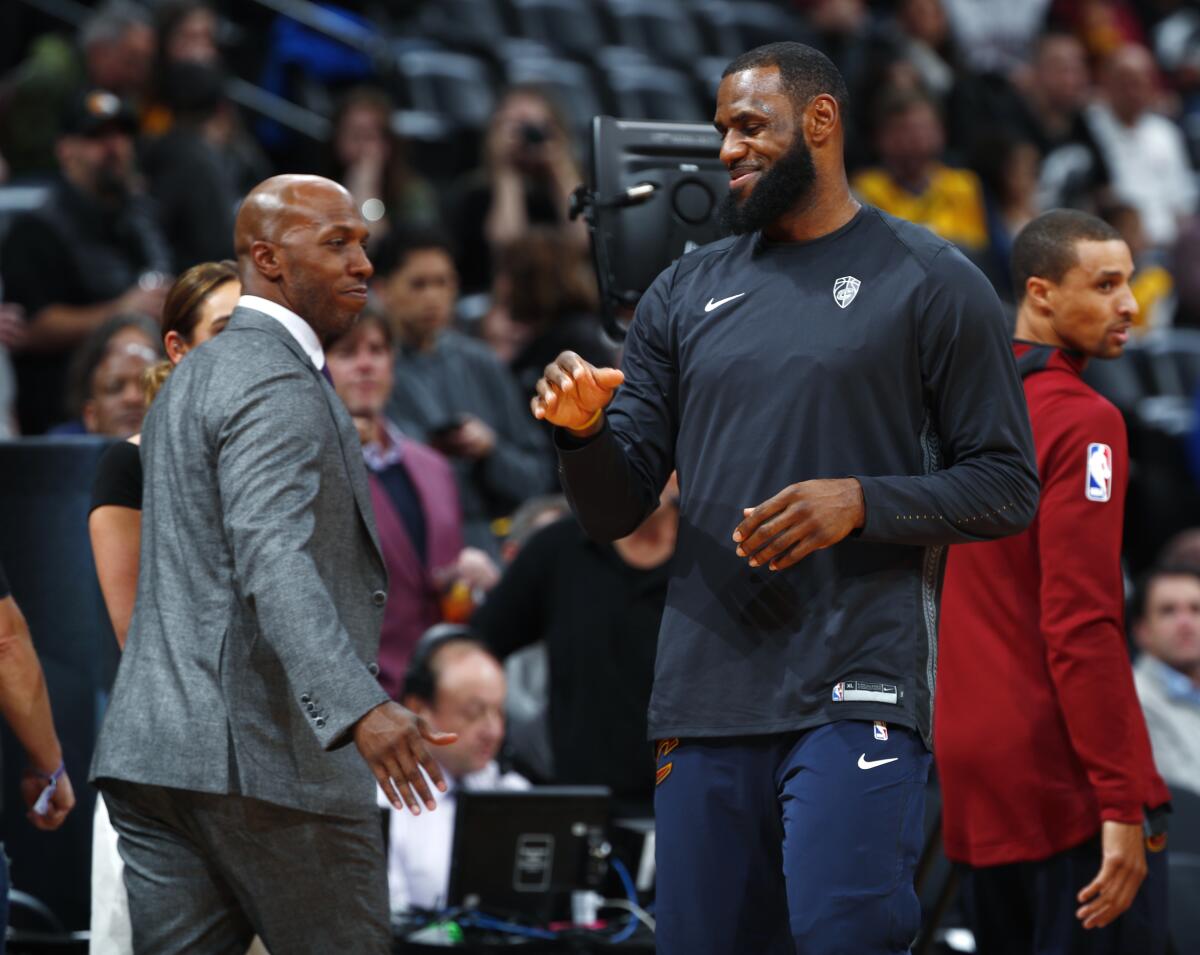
x,y
347,433
352,455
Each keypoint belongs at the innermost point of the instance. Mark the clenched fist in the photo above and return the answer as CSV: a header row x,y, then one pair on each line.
x,y
571,393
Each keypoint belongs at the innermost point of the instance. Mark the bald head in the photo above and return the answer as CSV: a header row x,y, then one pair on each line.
x,y
282,203
1130,77
301,242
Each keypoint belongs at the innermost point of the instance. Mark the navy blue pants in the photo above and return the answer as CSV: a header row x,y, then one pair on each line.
x,y
1028,908
798,843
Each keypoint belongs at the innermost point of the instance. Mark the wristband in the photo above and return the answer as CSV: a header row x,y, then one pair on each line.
x,y
42,805
590,421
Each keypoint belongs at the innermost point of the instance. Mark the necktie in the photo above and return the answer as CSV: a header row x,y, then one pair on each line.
x,y
325,373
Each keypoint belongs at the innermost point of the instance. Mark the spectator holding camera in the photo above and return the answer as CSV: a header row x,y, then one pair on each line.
x,y
527,178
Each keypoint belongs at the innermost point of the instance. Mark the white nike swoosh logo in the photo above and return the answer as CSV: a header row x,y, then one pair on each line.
x,y
864,763
711,304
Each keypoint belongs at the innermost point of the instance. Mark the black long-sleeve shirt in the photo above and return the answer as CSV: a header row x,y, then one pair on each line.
x,y
599,617
877,352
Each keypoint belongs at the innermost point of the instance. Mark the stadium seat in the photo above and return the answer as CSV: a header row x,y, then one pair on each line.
x,y
17,199
646,91
706,74
735,27
1175,361
454,85
570,84
571,26
661,27
458,22
1183,861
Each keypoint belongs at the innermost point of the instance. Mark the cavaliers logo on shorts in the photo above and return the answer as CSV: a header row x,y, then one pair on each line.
x,y
665,748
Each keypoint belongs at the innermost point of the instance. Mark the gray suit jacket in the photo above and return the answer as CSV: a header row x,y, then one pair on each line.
x,y
261,588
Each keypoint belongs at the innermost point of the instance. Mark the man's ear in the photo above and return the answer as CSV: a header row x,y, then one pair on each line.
x,y
821,119
1039,291
265,256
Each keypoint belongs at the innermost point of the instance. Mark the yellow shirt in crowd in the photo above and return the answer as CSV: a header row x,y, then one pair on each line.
x,y
951,205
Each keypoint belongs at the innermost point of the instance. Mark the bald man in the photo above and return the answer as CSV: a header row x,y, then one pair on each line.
x,y
246,721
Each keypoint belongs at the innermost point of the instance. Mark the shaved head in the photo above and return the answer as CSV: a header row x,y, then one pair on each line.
x,y
300,242
280,204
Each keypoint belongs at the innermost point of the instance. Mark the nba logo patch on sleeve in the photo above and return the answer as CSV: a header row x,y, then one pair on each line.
x,y
838,689
1099,472
880,729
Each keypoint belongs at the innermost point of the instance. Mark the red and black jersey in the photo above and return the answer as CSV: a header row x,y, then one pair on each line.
x,y
1038,732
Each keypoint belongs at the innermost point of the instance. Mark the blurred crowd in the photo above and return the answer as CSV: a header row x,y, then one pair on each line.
x,y
123,156
968,118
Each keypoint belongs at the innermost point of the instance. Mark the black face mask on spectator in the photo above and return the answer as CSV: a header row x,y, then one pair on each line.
x,y
781,188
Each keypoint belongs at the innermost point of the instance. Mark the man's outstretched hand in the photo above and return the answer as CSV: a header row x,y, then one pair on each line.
x,y
571,392
800,519
393,741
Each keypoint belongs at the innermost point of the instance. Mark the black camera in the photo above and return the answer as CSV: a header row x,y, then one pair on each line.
x,y
533,134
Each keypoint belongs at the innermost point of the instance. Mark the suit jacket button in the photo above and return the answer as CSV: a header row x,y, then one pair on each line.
x,y
379,597
320,721
373,669
310,706
304,698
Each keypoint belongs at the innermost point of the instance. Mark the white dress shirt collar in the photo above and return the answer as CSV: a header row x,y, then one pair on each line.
x,y
298,327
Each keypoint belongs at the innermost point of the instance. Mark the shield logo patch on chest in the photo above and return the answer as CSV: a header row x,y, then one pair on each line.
x,y
844,290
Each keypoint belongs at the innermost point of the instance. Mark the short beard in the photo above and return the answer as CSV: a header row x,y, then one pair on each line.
x,y
111,183
780,190
319,306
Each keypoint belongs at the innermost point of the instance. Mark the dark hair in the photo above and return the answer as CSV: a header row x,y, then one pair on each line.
x,y
548,275
89,355
549,99
1141,593
111,21
368,318
805,71
169,16
1046,247
181,310
525,521
395,247
421,676
900,102
398,174
991,156
1050,35
192,91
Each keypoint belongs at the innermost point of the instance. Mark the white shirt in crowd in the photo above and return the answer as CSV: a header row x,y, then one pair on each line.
x,y
1150,169
994,36
1171,702
419,846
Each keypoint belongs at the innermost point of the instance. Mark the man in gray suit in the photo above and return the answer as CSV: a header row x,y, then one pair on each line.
x,y
224,756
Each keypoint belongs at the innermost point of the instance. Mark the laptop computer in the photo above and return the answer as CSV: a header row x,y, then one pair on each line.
x,y
522,853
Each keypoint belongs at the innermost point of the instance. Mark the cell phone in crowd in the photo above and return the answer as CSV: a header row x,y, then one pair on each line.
x,y
453,423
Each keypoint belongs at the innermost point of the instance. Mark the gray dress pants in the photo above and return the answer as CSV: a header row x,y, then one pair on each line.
x,y
206,872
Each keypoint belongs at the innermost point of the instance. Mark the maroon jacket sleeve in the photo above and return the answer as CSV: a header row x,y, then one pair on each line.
x,y
1082,597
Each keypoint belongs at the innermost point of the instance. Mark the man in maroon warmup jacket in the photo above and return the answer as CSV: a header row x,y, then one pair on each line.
x,y
1049,787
